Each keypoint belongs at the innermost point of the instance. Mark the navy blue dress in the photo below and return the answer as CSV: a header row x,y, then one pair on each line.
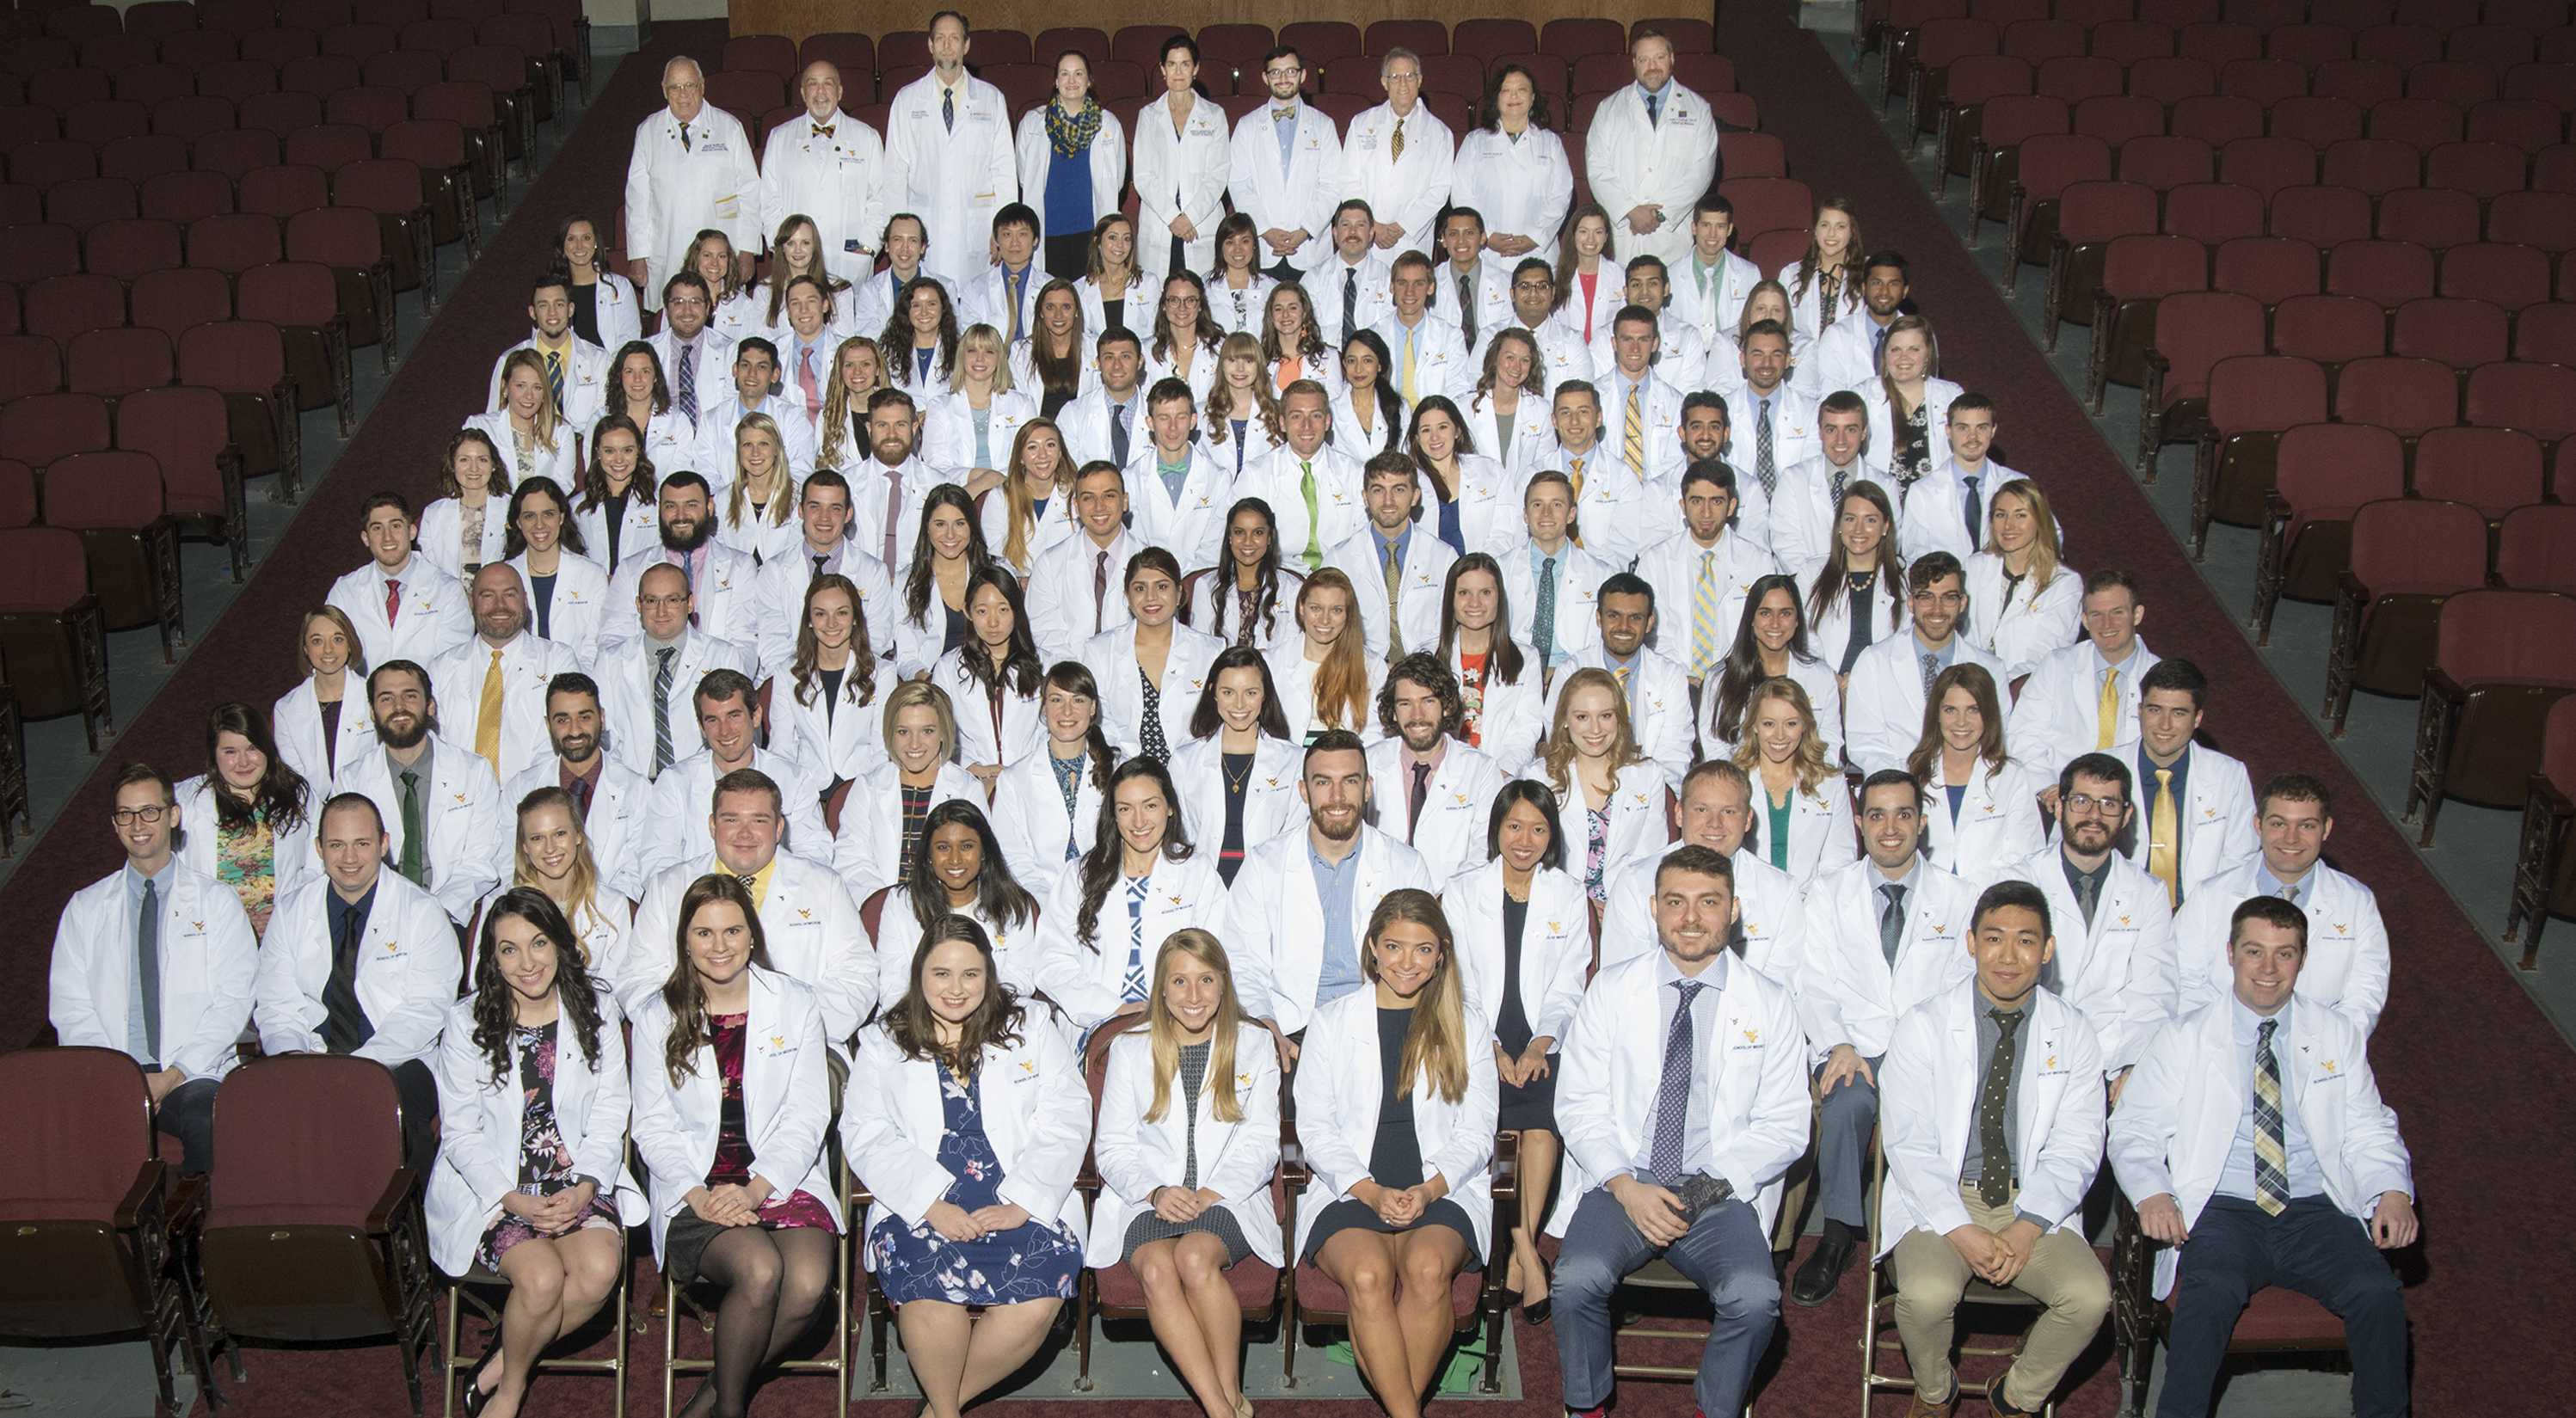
x,y
1033,1261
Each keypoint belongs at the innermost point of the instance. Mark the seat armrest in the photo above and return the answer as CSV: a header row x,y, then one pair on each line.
x,y
138,1197
398,1193
2439,682
1507,1167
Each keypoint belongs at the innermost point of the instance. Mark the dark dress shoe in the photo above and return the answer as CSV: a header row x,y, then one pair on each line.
x,y
1823,1273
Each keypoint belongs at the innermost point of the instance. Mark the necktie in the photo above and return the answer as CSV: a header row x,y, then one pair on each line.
x,y
393,601
1118,434
818,563
1577,480
948,108
1762,466
1467,306
1891,921
1707,274
1395,148
1394,594
1841,479
1632,441
1149,730
1877,345
1543,619
1931,669
1012,285
147,966
2106,715
2271,1152
1314,553
2290,894
824,130
1976,510
805,382
685,145
662,711
2164,839
1099,591
415,850
1704,618
1672,1094
1350,301
1654,109
1414,798
1994,1176
344,1020
1621,674
686,356
1135,987
894,513
1410,397
487,717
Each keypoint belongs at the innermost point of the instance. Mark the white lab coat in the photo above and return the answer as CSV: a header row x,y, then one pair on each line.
x,y
1631,161
1829,634
1270,802
1753,1073
1015,944
834,739
720,428
986,300
2058,717
727,599
1297,196
1579,577
1770,920
479,1137
1533,434
561,462
616,311
1051,526
1672,567
1280,481
786,1103
1191,526
1622,514
1730,286
713,353
1564,352
676,827
2120,971
1135,313
461,807
1520,188
2023,625
1235,1160
1087,980
1366,281
1848,993
1681,353
639,530
2217,822
615,827
1294,675
1489,511
407,975
1998,823
1821,836
673,191
1037,1115
600,931
1410,191
1239,312
1806,308
948,432
1640,826
1813,675
1267,630
955,178
1030,819
2347,964
877,491
1884,698
871,842
1804,509
430,621
1660,716
1274,925
1928,1104
1457,804
1180,174
1793,441
838,181
1489,288
209,967
1934,515
1023,729
1512,719
1085,422
1064,611
1203,361
1366,442
1340,1089
443,545
527,666
585,395
2179,1111
812,925
579,609
1114,667
1036,153
626,672
1423,575
290,849
1556,947
296,720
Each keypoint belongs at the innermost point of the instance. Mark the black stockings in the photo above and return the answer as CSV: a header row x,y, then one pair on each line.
x,y
772,1280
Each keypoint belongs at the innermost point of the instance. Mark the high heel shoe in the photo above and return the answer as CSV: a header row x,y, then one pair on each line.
x,y
1536,1311
475,1394
1243,1407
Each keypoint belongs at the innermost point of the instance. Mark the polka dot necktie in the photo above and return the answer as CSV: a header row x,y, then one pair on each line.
x,y
1994,1177
1672,1093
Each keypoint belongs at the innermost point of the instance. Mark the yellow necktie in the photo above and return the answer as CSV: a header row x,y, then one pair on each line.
x,y
1704,618
1410,397
1576,536
2164,839
1577,480
487,718
1632,442
1394,608
2107,715
1395,150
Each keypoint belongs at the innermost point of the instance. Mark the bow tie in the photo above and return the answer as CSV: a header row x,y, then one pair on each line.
x,y
1278,114
824,130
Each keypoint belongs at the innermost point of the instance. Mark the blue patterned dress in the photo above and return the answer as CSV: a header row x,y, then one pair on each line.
x,y
1034,1261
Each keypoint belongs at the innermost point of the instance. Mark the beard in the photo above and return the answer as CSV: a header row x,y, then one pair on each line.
x,y
690,540
575,748
1338,830
417,727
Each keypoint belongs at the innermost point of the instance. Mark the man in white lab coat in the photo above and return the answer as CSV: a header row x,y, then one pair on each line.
x,y
1711,284
691,171
1304,473
1349,285
1702,573
1680,353
1286,170
2345,968
1473,293
1427,350
823,508
1432,791
156,962
2115,955
1846,355
1884,697
720,580
1182,491
1397,567
2195,804
505,671
725,703
1807,498
1716,807
651,674
1078,588
440,800
1397,156
949,156
1770,426
831,167
1625,491
756,390
403,608
1651,152
696,361
1705,435
577,369
1552,585
2084,698
2256,1145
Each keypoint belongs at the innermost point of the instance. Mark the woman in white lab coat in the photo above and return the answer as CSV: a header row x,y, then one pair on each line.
x,y
466,526
994,679
1908,404
604,309
1185,340
1590,286
1983,806
249,819
1115,290
887,803
1188,1139
1242,409
919,340
1143,877
2024,601
639,392
1501,682
826,714
1237,776
1324,675
1770,643
321,720
1248,599
958,870
737,309
550,852
758,513
1525,948
1059,361
931,620
1824,285
1072,155
1865,572
1509,416
1151,669
1184,157
567,591
1398,1210
617,509
1592,760
531,1177
1031,513
1292,348
1513,170
1803,816
1238,291
528,432
732,1098
1368,415
969,1135
1470,501
1046,806
967,432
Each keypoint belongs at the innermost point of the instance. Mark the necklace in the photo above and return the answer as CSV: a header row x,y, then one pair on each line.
x,y
1233,782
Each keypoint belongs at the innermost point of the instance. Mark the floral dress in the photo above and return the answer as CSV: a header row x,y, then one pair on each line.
x,y
545,1163
246,861
1596,822
1034,1261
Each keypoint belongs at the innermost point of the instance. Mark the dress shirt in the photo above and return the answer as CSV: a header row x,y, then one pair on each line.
x,y
2087,885
2299,1160
1990,1034
1341,972
137,1042
1699,1153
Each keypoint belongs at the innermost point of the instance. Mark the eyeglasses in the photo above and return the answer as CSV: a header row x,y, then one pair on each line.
x,y
2085,805
128,816
1951,599
1533,285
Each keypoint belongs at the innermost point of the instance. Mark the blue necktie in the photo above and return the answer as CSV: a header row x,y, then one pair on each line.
x,y
1672,1095
1135,987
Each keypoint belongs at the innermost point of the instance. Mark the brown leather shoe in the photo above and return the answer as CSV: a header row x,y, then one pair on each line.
x,y
2002,1406
1922,1407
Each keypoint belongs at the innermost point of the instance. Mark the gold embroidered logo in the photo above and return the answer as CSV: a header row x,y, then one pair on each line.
x,y
196,925
2330,1065
1029,1067
1176,902
1753,1036
804,915
778,1041
393,947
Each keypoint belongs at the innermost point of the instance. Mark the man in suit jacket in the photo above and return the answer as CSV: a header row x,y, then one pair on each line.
x,y
403,608
831,167
721,581
1430,791
157,962
696,361
1993,1134
1396,568
2255,1142
1287,169
609,798
652,674
1888,937
507,671
2195,804
360,961
2084,698
576,368
728,716
2345,967
1658,688
440,801
2114,959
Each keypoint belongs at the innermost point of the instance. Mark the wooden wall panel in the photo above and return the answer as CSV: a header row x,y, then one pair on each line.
x,y
797,19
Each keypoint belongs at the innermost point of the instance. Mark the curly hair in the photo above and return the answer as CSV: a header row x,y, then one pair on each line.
x,y
495,1015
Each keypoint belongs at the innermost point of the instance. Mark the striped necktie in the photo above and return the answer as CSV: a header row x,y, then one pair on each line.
x,y
1632,440
2271,1149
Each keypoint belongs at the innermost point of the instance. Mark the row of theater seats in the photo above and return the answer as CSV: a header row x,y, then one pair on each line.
x,y
207,208
2327,239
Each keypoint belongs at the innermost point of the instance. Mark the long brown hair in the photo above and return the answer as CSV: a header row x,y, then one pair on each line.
x,y
1341,680
1106,861
1058,373
1435,1043
1165,1032
1848,295
1021,506
281,796
1925,761
1220,399
1310,341
994,1024
807,668
781,274
1889,567
732,283
834,423
643,487
1569,262
499,483
1533,383
684,994
1559,750
495,1013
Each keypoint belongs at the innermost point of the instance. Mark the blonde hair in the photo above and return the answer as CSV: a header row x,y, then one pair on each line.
x,y
834,425
2046,560
548,418
920,693
783,496
584,875
1810,757
1435,1043
1559,750
1021,519
1341,680
1164,1031
1220,399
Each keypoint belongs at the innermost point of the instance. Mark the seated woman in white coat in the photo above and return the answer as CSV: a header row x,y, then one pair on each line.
x,y
250,817
958,870
465,527
1509,414
1592,760
617,509
1770,643
319,719
1292,346
931,619
1859,596
1248,598
969,1135
732,1099
1057,362
967,432
1324,675
828,713
639,394
919,341
531,1179
528,431
1803,815
1982,807
1499,681
1143,878
1242,410
1238,289
1395,1106
1116,292
1368,415
1151,669
1908,403
567,591
2024,601
1031,513
881,818
1188,1139
995,678
1047,804
1524,948
1185,341
757,513
1240,767
550,853
1824,285
841,430
1467,498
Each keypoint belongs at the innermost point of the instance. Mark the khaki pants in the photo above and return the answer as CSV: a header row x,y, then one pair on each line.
x,y
2063,1274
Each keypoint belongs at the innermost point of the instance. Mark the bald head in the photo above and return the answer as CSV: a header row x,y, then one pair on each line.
x,y
500,602
820,90
684,88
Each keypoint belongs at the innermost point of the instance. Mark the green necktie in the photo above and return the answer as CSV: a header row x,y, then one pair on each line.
x,y
1314,523
415,853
